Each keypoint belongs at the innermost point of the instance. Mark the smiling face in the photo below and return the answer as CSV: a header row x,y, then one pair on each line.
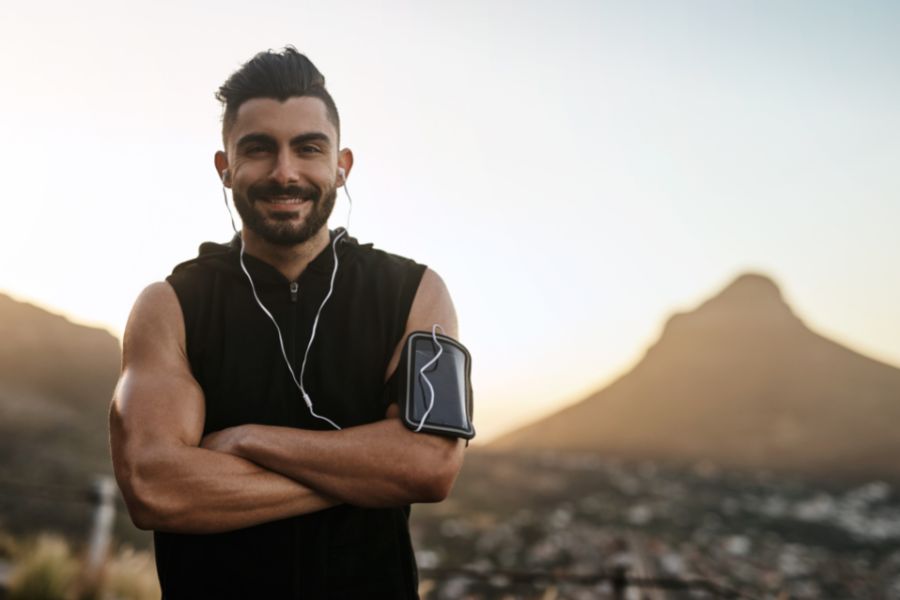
x,y
282,161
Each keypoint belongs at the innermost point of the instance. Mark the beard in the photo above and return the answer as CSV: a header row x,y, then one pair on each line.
x,y
278,229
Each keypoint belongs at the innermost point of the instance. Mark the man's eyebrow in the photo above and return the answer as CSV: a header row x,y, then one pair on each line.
x,y
303,138
259,138
312,136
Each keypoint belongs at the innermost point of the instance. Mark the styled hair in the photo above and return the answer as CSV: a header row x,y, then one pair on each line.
x,y
277,75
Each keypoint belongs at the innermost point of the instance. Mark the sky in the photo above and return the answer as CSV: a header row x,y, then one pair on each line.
x,y
575,171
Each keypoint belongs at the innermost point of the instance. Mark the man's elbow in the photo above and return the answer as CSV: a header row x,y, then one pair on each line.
x,y
152,512
142,517
141,508
440,473
436,489
149,505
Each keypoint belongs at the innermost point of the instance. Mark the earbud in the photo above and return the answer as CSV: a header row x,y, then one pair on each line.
x,y
342,173
225,175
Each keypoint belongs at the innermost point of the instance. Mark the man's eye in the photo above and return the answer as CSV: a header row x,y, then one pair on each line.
x,y
255,149
310,148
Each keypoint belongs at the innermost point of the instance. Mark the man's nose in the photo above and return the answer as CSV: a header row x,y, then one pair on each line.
x,y
285,171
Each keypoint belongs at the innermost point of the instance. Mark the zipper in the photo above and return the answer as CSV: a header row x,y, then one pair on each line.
x,y
292,313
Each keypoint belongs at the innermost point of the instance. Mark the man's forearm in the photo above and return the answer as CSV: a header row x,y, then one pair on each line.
x,y
193,490
379,464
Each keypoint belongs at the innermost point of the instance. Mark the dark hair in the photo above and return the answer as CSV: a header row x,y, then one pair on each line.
x,y
278,75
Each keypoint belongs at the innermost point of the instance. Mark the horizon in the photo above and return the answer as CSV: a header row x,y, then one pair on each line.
x,y
495,430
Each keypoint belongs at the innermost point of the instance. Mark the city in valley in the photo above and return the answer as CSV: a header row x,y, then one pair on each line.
x,y
550,524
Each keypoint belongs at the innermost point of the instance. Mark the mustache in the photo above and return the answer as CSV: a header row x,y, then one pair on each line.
x,y
261,191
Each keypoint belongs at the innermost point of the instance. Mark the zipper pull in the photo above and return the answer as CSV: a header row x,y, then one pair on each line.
x,y
294,287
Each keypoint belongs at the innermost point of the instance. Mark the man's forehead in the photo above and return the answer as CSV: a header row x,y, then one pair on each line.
x,y
282,119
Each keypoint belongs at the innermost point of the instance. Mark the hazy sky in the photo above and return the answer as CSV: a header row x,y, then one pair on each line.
x,y
576,171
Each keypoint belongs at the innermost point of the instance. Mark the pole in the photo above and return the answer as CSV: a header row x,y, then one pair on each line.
x,y
104,494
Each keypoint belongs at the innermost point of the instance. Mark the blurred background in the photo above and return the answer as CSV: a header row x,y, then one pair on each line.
x,y
669,228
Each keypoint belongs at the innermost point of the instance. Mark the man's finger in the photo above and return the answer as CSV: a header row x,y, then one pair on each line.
x,y
393,411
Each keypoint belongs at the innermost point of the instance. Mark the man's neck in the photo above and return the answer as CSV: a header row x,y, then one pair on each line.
x,y
290,260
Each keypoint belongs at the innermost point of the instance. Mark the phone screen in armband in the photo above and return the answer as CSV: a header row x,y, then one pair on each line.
x,y
438,393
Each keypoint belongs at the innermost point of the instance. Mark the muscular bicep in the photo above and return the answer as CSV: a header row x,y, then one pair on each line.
x,y
157,401
156,424
431,305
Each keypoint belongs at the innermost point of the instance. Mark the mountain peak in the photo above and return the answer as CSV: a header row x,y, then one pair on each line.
x,y
750,301
752,288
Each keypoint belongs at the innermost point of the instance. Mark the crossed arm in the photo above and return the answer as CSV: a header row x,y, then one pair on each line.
x,y
172,479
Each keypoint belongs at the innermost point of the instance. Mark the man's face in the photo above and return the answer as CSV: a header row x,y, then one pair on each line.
x,y
283,168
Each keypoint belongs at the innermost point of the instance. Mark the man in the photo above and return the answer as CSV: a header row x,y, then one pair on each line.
x,y
248,485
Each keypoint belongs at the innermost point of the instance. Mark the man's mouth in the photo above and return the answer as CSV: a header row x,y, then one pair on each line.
x,y
284,200
283,196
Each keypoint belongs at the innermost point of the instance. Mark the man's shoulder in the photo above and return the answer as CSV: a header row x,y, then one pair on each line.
x,y
372,257
194,279
209,254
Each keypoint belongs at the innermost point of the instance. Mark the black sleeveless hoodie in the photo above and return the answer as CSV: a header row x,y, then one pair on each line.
x,y
232,347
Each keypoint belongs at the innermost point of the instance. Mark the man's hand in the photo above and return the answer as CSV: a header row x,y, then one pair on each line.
x,y
227,440
393,411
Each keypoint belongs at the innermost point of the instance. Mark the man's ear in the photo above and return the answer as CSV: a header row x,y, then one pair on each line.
x,y
221,164
345,162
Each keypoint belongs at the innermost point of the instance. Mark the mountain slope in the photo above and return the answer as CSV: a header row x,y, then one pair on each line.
x,y
742,381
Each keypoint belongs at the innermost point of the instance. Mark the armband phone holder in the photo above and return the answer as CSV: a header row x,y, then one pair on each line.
x,y
436,395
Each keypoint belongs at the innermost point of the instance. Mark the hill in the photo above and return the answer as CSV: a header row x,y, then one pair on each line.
x,y
56,381
743,382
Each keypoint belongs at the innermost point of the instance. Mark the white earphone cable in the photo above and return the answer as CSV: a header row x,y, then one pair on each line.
x,y
298,382
434,329
312,335
350,201
228,206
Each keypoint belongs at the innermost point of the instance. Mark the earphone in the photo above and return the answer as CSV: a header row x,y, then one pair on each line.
x,y
224,176
342,173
